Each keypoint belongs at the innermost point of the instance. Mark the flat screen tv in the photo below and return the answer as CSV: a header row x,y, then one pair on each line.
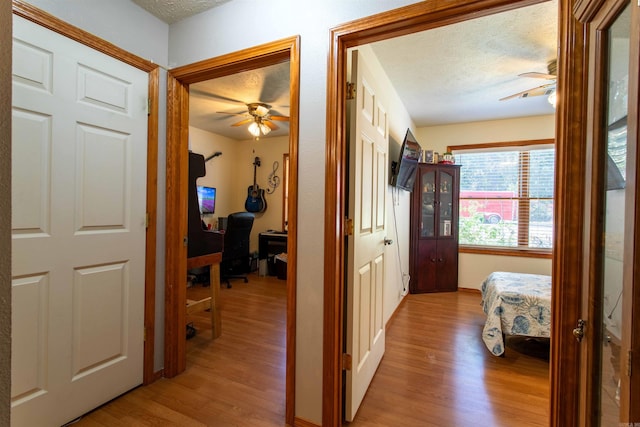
x,y
403,172
206,199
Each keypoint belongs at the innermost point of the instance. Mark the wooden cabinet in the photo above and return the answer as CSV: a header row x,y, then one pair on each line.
x,y
434,229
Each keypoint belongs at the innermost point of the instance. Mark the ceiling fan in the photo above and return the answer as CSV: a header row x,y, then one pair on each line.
x,y
260,119
548,89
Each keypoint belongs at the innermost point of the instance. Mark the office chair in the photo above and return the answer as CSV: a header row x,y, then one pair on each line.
x,y
200,240
236,257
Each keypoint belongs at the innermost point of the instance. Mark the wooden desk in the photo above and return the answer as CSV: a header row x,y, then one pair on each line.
x,y
212,302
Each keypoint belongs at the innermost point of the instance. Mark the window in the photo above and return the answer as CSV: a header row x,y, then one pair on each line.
x,y
506,195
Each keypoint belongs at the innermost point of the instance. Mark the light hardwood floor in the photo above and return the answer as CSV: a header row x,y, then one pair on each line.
x,y
435,372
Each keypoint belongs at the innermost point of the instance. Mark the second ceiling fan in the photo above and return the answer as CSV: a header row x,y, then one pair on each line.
x,y
548,89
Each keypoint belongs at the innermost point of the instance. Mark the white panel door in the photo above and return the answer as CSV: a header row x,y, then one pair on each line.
x,y
365,334
78,227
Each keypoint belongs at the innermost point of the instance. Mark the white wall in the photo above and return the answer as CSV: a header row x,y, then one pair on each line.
x,y
473,268
232,174
5,213
437,138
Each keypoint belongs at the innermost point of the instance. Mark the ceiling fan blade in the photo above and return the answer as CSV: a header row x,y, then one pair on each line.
x,y
243,122
279,118
536,91
536,75
204,94
270,125
242,113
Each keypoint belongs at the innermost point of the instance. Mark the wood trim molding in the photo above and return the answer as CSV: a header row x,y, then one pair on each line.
x,y
484,250
46,20
235,62
178,80
526,143
569,213
397,22
176,227
152,228
585,10
300,422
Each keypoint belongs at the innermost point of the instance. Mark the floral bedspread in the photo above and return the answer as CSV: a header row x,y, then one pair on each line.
x,y
515,304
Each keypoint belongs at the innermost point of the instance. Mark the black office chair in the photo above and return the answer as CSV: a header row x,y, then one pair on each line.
x,y
236,258
200,240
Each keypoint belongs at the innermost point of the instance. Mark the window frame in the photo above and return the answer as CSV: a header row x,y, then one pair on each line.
x,y
523,228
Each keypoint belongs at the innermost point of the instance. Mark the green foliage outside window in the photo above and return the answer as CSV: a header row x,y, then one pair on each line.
x,y
500,189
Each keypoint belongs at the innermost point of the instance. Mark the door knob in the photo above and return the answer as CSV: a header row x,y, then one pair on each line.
x,y
578,332
388,242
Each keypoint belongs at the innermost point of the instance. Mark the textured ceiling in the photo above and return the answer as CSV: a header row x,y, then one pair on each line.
x,y
171,11
452,74
215,105
459,72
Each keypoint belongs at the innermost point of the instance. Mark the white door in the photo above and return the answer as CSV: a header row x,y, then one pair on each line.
x,y
368,144
78,227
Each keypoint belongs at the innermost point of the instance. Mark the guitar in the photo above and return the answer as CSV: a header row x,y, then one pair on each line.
x,y
255,197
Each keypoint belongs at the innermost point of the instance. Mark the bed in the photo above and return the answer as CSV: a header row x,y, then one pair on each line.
x,y
515,304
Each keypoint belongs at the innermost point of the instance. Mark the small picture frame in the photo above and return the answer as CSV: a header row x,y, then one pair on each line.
x,y
446,228
428,156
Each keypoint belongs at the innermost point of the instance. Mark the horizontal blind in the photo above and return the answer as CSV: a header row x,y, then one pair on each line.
x,y
506,196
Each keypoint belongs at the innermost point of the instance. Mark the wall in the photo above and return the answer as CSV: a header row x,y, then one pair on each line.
x,y
473,268
5,213
232,175
220,170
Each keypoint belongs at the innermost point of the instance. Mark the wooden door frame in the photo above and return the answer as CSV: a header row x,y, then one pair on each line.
x,y
569,203
46,20
178,81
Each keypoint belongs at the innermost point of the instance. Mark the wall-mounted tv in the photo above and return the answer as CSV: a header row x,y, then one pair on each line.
x,y
403,172
206,199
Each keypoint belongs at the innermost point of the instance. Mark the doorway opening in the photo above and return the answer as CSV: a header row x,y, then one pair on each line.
x,y
179,80
403,21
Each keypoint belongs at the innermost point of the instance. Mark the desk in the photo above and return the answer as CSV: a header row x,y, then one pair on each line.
x,y
270,244
212,302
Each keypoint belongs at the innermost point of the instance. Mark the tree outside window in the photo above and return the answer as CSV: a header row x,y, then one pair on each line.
x,y
506,195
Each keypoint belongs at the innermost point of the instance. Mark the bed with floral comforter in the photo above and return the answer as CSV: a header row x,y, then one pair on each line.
x,y
515,304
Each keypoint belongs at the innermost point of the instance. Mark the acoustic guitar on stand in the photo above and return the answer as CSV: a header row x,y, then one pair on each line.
x,y
255,197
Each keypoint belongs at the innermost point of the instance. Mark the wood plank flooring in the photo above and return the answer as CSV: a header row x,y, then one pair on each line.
x,y
236,380
435,372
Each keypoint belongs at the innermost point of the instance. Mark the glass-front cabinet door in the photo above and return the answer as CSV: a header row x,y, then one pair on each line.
x,y
445,205
428,204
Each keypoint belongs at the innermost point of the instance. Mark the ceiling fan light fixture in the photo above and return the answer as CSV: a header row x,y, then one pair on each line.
x,y
258,128
254,129
552,99
262,110
264,128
